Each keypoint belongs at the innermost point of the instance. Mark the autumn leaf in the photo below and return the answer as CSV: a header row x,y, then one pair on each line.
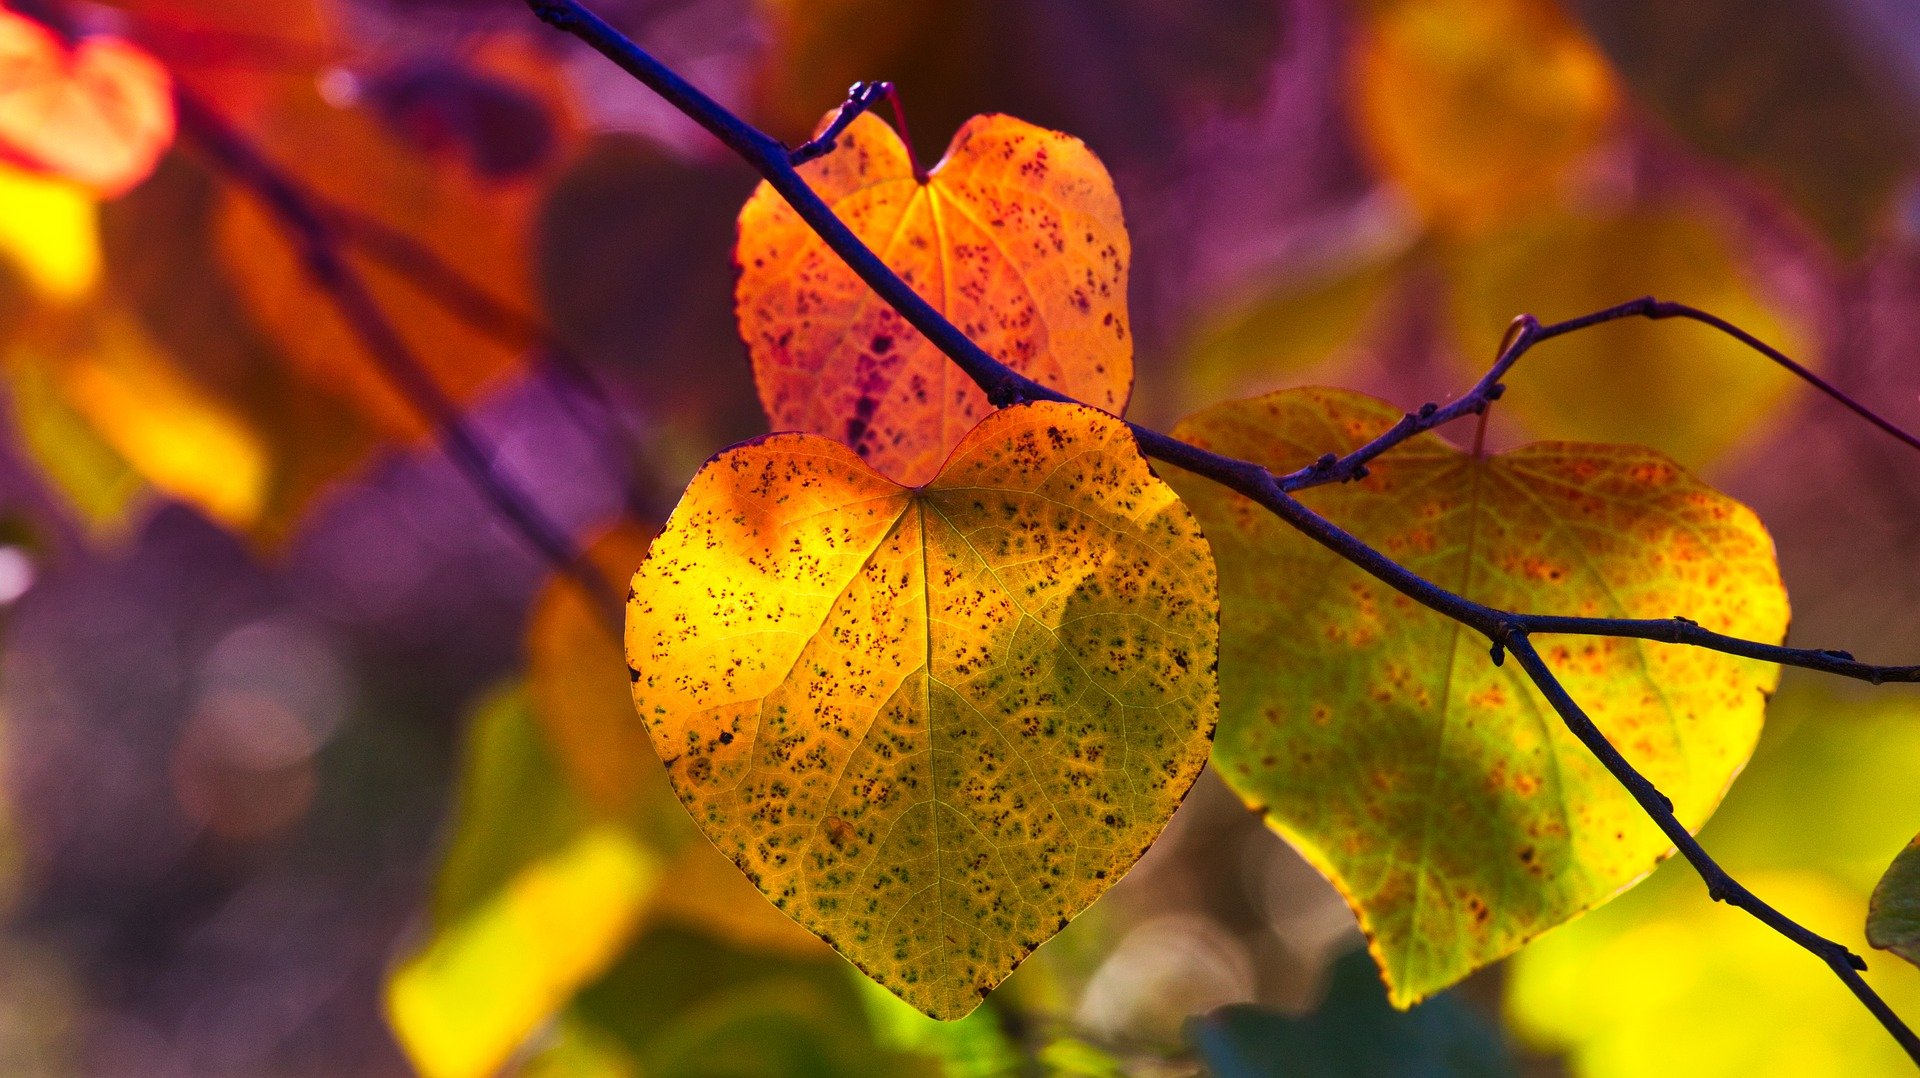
x,y
1893,918
99,112
1016,236
1438,791
537,897
351,159
1679,386
932,724
575,681
1476,108
49,232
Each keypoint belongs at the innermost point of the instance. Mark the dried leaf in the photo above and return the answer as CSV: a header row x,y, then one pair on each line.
x,y
1438,791
932,724
1016,236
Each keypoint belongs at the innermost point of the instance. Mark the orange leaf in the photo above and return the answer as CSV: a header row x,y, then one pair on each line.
x,y
348,157
1016,236
99,113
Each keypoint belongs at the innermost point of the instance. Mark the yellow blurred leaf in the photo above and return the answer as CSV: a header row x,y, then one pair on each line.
x,y
1665,981
143,417
536,898
49,231
1476,108
1016,236
1436,790
1681,387
931,724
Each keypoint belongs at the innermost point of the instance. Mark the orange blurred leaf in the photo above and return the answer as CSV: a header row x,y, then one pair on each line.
x,y
99,112
1016,236
349,158
1434,788
932,724
1476,108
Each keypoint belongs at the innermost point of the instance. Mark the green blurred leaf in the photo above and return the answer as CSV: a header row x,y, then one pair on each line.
x,y
1258,343
685,1005
1893,916
535,898
1354,1031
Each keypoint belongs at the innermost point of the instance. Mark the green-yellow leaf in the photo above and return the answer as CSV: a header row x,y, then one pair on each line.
x,y
1893,917
1436,790
932,724
536,898
1678,386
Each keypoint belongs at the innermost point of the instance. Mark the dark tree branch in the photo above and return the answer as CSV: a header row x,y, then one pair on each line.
x,y
504,322
860,97
317,243
1005,386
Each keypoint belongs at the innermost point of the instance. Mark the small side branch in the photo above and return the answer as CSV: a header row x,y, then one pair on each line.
x,y
1527,331
861,97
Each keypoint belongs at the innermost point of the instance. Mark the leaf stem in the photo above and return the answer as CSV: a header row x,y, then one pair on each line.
x,y
1503,630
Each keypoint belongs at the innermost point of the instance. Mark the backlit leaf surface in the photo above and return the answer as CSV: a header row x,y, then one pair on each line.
x,y
1893,919
1016,236
1437,791
99,112
931,724
1477,108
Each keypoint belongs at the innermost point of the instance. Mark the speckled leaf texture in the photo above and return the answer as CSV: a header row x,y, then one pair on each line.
x,y
1016,237
1436,790
931,724
1893,916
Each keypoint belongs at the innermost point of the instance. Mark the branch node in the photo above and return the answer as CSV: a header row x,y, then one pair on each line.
x,y
1499,653
1427,410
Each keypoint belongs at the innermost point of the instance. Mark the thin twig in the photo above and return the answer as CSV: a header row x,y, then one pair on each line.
x,y
317,244
861,96
505,323
1526,332
1004,386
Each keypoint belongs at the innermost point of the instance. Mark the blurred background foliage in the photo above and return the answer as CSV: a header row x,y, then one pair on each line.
x,y
309,769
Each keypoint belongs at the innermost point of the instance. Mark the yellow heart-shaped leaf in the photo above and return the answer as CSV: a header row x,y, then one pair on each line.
x,y
931,724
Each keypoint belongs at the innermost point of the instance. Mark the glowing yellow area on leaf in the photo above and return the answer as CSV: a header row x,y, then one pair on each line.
x,y
50,232
1016,237
931,724
536,898
1437,791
